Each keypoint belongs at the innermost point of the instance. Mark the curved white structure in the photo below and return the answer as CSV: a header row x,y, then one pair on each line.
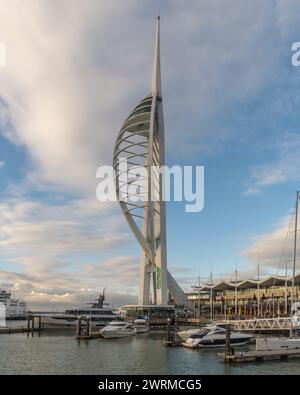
x,y
141,143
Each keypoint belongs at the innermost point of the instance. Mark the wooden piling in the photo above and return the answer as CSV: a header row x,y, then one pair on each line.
x,y
32,323
78,329
28,322
87,325
227,348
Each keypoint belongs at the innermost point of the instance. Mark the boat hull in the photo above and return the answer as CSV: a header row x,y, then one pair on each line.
x,y
215,345
142,329
71,322
117,334
218,342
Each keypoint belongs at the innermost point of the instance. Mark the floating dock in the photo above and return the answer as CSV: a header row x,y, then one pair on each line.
x,y
257,356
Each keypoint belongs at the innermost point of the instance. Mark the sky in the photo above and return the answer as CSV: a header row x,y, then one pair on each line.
x,y
73,72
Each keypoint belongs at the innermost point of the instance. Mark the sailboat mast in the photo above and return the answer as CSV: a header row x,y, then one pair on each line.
x,y
295,255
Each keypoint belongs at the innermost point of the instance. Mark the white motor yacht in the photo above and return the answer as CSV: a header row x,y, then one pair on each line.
x,y
212,336
184,335
99,312
116,329
141,325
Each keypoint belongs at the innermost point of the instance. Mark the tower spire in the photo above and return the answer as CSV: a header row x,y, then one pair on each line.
x,y
156,75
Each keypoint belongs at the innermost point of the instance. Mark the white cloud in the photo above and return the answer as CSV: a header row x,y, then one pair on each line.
x,y
273,250
48,282
36,228
284,168
2,163
73,72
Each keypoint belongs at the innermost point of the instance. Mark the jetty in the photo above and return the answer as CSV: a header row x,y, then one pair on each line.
x,y
258,356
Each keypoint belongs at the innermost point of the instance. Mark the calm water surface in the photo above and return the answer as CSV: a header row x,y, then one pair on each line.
x,y
58,353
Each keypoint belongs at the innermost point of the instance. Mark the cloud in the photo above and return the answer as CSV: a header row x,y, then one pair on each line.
x,y
273,250
33,228
73,72
2,163
52,245
67,88
49,284
283,169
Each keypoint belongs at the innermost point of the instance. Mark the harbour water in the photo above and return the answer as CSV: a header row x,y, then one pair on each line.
x,y
59,353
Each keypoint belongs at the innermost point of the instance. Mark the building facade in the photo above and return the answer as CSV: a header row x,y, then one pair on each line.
x,y
269,298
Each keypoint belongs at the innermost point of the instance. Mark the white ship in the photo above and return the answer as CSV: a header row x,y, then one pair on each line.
x,y
100,315
14,308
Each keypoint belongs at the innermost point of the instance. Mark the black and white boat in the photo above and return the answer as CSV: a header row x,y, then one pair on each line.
x,y
212,336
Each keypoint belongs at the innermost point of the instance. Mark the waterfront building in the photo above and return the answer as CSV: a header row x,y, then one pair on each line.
x,y
269,298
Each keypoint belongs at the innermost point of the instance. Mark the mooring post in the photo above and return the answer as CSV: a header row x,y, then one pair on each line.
x,y
175,327
88,325
28,322
168,329
78,329
32,323
40,322
228,349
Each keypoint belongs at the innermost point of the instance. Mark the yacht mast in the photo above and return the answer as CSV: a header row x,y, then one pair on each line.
x,y
294,259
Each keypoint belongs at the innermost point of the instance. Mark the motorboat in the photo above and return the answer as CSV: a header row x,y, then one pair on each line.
x,y
141,325
99,312
116,329
212,336
184,335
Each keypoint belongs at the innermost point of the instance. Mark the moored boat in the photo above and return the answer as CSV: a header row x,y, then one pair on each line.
x,y
141,325
212,336
99,312
116,329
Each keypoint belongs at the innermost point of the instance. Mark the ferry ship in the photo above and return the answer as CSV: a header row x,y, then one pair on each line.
x,y
100,315
14,308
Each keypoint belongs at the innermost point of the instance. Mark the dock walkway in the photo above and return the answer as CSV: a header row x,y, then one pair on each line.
x,y
260,324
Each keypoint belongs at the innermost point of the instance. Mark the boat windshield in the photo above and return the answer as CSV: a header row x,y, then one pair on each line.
x,y
200,334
